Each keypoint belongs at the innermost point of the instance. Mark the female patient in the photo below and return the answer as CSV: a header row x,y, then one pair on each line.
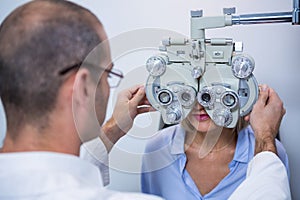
x,y
198,159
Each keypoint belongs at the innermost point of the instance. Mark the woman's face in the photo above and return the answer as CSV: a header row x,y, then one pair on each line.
x,y
200,120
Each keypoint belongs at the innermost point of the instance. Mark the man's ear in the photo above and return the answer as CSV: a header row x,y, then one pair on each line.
x,y
81,90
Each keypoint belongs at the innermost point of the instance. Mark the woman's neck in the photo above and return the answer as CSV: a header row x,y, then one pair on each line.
x,y
215,140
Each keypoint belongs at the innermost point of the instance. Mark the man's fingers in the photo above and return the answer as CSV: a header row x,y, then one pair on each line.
x,y
144,102
129,93
273,97
141,110
138,97
263,95
283,111
134,88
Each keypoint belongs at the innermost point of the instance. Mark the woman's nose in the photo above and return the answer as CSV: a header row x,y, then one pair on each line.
x,y
198,106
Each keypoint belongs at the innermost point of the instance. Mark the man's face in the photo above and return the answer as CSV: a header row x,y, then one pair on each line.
x,y
102,95
90,118
103,89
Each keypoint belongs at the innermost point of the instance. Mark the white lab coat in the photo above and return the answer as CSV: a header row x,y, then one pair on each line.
x,y
49,175
266,179
56,176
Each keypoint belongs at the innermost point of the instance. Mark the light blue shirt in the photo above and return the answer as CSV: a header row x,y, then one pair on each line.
x,y
164,173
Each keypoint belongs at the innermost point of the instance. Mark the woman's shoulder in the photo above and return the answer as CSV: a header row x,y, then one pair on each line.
x,y
162,138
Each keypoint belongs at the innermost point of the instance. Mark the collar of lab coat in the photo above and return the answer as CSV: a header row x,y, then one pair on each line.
x,y
28,173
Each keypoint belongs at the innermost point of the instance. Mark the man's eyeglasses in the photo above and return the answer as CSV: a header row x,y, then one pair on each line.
x,y
114,75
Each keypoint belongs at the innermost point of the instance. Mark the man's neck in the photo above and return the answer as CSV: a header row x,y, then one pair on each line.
x,y
30,139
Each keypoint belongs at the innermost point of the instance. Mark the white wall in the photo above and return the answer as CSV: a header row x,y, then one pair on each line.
x,y
274,48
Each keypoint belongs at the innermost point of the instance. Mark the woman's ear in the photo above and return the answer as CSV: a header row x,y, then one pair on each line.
x,y
247,118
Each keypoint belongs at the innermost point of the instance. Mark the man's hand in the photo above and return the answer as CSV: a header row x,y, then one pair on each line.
x,y
265,119
130,103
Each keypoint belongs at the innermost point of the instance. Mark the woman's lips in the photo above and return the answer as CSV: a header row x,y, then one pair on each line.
x,y
202,117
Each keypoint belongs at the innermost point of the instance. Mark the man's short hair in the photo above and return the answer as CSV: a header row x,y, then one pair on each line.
x,y
37,40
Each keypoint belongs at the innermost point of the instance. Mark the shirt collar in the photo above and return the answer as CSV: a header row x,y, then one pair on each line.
x,y
241,151
177,145
242,147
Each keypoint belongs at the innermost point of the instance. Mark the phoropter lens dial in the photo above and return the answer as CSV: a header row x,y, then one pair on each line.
x,y
156,65
206,97
164,97
242,66
222,117
229,99
187,96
